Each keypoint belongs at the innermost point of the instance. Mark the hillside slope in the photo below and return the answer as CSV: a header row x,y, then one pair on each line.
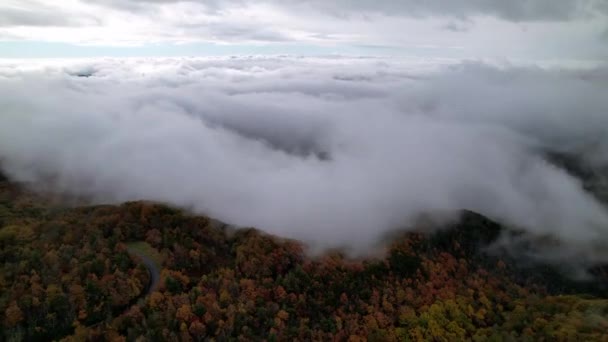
x,y
66,273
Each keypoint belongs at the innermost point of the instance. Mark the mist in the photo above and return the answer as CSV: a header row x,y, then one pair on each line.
x,y
333,151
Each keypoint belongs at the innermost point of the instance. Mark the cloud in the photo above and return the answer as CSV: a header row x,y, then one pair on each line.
x,y
515,10
12,17
334,151
604,36
237,32
533,30
33,13
458,26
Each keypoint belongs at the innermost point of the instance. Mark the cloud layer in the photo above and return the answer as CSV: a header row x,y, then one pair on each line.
x,y
516,10
334,151
523,29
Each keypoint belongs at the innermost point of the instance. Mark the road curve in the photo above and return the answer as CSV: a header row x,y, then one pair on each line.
x,y
152,269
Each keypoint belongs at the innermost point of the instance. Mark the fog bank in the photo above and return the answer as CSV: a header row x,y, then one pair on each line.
x,y
332,151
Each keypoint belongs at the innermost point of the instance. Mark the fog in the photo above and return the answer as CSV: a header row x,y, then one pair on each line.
x,y
333,151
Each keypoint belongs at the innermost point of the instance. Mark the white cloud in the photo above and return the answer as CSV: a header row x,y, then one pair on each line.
x,y
336,151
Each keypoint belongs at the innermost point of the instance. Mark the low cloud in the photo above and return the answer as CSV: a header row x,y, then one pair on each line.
x,y
333,151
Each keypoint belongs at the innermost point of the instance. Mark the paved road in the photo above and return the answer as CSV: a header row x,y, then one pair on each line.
x,y
152,269
152,285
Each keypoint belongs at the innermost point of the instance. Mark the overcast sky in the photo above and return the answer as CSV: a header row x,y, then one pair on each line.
x,y
514,29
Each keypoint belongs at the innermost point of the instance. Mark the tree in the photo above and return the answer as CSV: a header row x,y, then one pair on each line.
x,y
13,315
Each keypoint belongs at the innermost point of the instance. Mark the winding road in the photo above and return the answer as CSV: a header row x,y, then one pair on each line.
x,y
152,269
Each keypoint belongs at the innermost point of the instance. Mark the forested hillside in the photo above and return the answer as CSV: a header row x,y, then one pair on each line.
x,y
70,273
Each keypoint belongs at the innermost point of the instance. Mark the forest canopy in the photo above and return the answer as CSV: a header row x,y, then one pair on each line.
x,y
69,273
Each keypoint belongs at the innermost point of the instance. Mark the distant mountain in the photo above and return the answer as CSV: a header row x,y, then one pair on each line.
x,y
594,179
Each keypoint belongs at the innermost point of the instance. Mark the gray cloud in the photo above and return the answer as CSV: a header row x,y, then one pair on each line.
x,y
518,10
540,29
604,36
334,151
212,6
458,26
12,17
240,32
41,16
514,10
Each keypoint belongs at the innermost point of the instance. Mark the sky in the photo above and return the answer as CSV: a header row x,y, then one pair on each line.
x,y
460,29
